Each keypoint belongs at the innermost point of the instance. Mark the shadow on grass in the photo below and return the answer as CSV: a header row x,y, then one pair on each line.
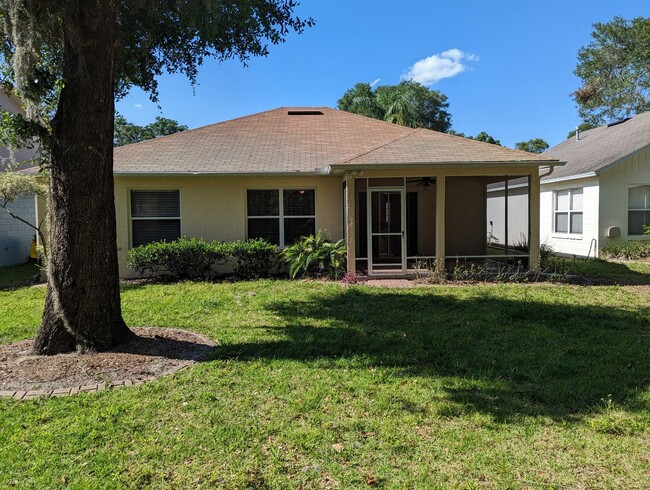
x,y
598,271
505,357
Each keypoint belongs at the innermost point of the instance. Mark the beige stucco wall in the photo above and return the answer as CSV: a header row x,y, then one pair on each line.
x,y
571,244
214,208
614,188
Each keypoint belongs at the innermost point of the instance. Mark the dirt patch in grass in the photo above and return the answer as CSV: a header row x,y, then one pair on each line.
x,y
153,352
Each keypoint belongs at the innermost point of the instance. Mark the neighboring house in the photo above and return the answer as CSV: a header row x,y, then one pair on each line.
x,y
602,194
396,194
15,237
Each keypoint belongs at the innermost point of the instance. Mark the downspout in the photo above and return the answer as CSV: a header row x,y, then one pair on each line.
x,y
550,171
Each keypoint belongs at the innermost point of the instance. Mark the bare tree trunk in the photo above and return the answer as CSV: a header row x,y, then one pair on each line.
x,y
82,308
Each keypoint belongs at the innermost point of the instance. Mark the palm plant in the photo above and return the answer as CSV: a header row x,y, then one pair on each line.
x,y
316,256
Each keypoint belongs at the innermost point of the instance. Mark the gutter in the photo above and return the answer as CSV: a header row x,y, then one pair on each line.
x,y
316,172
391,166
570,177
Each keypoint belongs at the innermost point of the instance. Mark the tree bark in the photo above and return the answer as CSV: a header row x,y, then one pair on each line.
x,y
82,307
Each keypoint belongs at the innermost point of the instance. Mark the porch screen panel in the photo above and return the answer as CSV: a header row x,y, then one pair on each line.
x,y
155,216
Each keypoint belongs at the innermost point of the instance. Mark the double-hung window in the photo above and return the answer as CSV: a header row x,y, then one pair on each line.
x,y
638,209
567,215
155,216
281,216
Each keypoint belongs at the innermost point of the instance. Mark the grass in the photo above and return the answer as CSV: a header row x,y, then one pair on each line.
x,y
316,385
611,272
17,276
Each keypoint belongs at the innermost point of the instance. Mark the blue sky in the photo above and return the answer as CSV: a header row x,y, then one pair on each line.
x,y
507,65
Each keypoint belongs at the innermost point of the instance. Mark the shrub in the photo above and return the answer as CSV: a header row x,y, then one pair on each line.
x,y
316,256
185,258
255,258
633,250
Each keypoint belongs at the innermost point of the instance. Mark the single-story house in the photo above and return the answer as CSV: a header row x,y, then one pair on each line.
x,y
397,195
15,237
602,195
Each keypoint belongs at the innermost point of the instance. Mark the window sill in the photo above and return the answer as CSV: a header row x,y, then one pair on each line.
x,y
567,236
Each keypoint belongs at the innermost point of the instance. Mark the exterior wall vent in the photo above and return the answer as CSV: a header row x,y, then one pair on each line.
x,y
305,113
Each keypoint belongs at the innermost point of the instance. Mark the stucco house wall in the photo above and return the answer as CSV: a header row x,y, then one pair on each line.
x,y
565,243
214,208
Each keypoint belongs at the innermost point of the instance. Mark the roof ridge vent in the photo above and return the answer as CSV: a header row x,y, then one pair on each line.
x,y
620,121
308,112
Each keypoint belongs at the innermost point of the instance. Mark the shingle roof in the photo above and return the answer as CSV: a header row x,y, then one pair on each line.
x,y
601,147
277,142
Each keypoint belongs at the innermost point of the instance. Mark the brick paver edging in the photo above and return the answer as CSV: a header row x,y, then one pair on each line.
x,y
92,388
75,390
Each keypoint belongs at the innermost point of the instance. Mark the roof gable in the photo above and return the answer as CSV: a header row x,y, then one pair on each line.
x,y
599,148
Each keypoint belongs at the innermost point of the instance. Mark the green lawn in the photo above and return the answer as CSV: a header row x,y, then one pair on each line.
x,y
320,385
602,271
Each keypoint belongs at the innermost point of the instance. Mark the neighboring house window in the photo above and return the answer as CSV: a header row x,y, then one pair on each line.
x,y
155,216
568,211
281,216
638,213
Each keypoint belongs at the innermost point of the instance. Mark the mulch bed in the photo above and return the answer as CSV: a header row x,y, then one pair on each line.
x,y
153,353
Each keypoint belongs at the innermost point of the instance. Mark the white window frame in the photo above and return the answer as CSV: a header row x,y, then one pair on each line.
x,y
569,212
281,216
646,209
149,218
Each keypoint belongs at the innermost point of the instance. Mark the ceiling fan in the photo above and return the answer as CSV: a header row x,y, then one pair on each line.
x,y
425,182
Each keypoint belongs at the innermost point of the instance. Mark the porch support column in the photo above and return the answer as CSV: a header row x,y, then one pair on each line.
x,y
533,220
350,231
440,224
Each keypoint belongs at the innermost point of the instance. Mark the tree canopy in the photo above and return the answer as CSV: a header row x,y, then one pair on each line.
x,y
615,73
482,136
534,145
126,132
408,103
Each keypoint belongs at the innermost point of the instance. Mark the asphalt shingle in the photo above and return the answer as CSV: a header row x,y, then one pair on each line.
x,y
278,142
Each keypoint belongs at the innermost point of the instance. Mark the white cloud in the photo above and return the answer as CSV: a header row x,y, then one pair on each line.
x,y
377,80
438,66
137,106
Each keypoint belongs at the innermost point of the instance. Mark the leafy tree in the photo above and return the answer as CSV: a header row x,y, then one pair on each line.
x,y
408,103
126,133
614,71
482,136
486,138
535,145
581,127
93,50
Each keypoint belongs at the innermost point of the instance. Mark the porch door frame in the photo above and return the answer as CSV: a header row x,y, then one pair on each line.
x,y
402,192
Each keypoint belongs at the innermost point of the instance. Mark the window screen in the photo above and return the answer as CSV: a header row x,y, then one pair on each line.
x,y
155,216
638,209
567,215
281,216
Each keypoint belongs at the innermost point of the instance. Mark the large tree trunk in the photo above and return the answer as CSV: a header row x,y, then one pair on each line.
x,y
82,308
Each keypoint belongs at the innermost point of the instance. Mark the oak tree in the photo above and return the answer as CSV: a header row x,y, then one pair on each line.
x,y
614,69
89,51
